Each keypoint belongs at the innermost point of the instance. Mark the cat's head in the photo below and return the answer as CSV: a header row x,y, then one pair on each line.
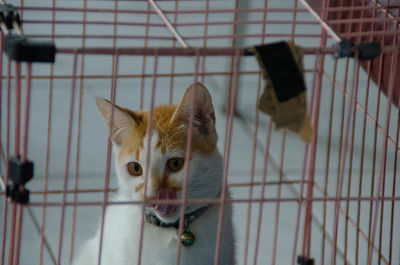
x,y
164,162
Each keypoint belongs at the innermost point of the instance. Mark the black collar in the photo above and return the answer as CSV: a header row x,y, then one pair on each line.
x,y
189,218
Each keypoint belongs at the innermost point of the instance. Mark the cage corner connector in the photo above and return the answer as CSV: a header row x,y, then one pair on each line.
x,y
20,173
362,51
301,260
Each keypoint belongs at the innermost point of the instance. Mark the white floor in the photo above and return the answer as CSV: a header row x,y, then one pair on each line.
x,y
93,144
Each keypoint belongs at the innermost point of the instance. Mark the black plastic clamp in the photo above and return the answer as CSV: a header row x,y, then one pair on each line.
x,y
362,51
9,15
20,173
22,49
16,46
304,261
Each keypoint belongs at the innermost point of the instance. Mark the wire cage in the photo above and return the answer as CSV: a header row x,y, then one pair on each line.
x,y
332,201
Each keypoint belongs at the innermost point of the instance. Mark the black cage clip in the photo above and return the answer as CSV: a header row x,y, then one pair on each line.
x,y
362,51
301,260
16,46
20,173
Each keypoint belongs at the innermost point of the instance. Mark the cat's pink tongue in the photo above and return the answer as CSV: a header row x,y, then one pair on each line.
x,y
166,194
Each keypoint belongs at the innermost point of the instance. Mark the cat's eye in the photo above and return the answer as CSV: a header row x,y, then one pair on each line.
x,y
135,169
175,164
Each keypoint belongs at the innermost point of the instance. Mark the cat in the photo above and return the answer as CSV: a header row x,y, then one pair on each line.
x,y
166,172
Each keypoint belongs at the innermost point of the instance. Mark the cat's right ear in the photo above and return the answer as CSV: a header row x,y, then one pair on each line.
x,y
122,122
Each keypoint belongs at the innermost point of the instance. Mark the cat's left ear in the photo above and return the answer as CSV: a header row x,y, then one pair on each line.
x,y
204,115
123,120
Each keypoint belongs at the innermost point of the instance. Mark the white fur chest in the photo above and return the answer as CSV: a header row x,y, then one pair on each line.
x,y
122,233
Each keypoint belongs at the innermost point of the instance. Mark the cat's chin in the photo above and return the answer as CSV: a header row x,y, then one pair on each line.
x,y
169,217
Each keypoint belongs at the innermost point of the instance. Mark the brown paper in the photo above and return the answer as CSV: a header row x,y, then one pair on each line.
x,y
291,114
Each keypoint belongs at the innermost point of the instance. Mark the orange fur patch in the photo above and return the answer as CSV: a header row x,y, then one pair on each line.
x,y
172,135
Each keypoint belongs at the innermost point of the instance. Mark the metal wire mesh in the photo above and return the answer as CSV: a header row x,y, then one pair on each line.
x,y
335,200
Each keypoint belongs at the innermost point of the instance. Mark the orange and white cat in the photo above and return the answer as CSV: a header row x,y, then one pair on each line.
x,y
166,172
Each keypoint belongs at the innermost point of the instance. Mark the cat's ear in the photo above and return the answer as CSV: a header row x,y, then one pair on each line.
x,y
204,116
123,119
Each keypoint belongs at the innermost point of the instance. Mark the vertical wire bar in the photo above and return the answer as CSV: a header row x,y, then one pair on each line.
x,y
187,160
146,40
262,193
379,84
1,102
350,171
342,124
227,148
12,234
205,39
48,138
17,116
231,63
67,157
252,173
171,80
17,108
18,228
278,197
327,162
394,187
394,174
306,157
26,113
78,134
384,176
149,135
7,151
343,155
254,151
313,147
383,155
23,158
5,204
296,2
108,157
346,220
360,186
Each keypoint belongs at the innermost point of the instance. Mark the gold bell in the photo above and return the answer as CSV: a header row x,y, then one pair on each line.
x,y
187,237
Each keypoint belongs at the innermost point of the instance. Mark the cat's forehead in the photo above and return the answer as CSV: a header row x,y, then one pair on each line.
x,y
167,135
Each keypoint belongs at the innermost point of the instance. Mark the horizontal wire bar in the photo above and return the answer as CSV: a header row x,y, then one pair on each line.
x,y
233,185
177,51
136,11
216,201
181,24
199,37
192,51
148,75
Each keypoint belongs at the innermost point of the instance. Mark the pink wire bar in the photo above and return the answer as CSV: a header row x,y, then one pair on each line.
x,y
108,158
7,151
67,158
149,135
194,51
187,164
343,160
227,148
176,25
218,201
15,213
382,165
23,158
262,193
189,11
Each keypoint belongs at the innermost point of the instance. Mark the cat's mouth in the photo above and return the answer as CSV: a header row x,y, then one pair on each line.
x,y
165,210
